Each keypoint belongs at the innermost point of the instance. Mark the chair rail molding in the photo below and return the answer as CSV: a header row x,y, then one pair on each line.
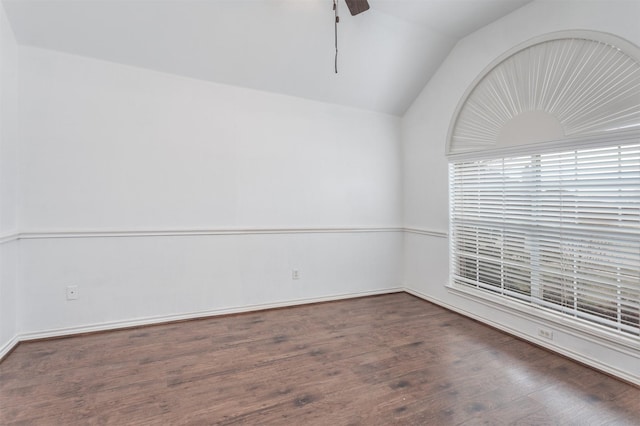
x,y
186,232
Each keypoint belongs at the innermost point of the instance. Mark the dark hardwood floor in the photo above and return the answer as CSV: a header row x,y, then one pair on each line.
x,y
391,359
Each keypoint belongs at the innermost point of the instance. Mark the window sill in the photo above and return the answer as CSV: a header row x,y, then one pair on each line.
x,y
594,334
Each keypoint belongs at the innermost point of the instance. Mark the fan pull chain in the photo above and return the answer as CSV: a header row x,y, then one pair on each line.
x,y
335,9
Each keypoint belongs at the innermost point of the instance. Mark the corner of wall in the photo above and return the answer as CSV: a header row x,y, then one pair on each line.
x,y
8,185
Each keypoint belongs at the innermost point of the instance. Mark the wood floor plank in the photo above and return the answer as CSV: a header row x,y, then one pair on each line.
x,y
391,359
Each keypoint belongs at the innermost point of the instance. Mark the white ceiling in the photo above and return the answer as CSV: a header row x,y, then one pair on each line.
x,y
387,54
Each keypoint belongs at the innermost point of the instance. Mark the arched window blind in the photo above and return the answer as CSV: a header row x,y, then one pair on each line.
x,y
551,219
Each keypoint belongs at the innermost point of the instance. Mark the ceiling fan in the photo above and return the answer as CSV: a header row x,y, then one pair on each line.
x,y
355,7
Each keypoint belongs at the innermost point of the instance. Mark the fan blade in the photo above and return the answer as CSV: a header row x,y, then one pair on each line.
x,y
357,6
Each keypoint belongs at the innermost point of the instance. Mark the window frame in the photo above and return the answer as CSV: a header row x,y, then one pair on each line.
x,y
525,306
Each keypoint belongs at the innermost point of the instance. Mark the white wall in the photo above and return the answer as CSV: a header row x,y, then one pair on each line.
x,y
115,147
120,150
8,182
424,133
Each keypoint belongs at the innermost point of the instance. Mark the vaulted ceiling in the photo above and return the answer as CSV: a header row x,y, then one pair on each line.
x,y
386,55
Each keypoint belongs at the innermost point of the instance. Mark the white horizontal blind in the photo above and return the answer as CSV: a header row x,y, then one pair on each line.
x,y
559,231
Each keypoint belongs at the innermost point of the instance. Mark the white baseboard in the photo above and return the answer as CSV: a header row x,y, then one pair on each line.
x,y
115,325
8,347
596,364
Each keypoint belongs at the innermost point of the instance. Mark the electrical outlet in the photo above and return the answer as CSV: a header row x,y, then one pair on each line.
x,y
547,334
295,274
72,292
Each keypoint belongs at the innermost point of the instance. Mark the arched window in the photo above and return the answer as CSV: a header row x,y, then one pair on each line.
x,y
544,154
